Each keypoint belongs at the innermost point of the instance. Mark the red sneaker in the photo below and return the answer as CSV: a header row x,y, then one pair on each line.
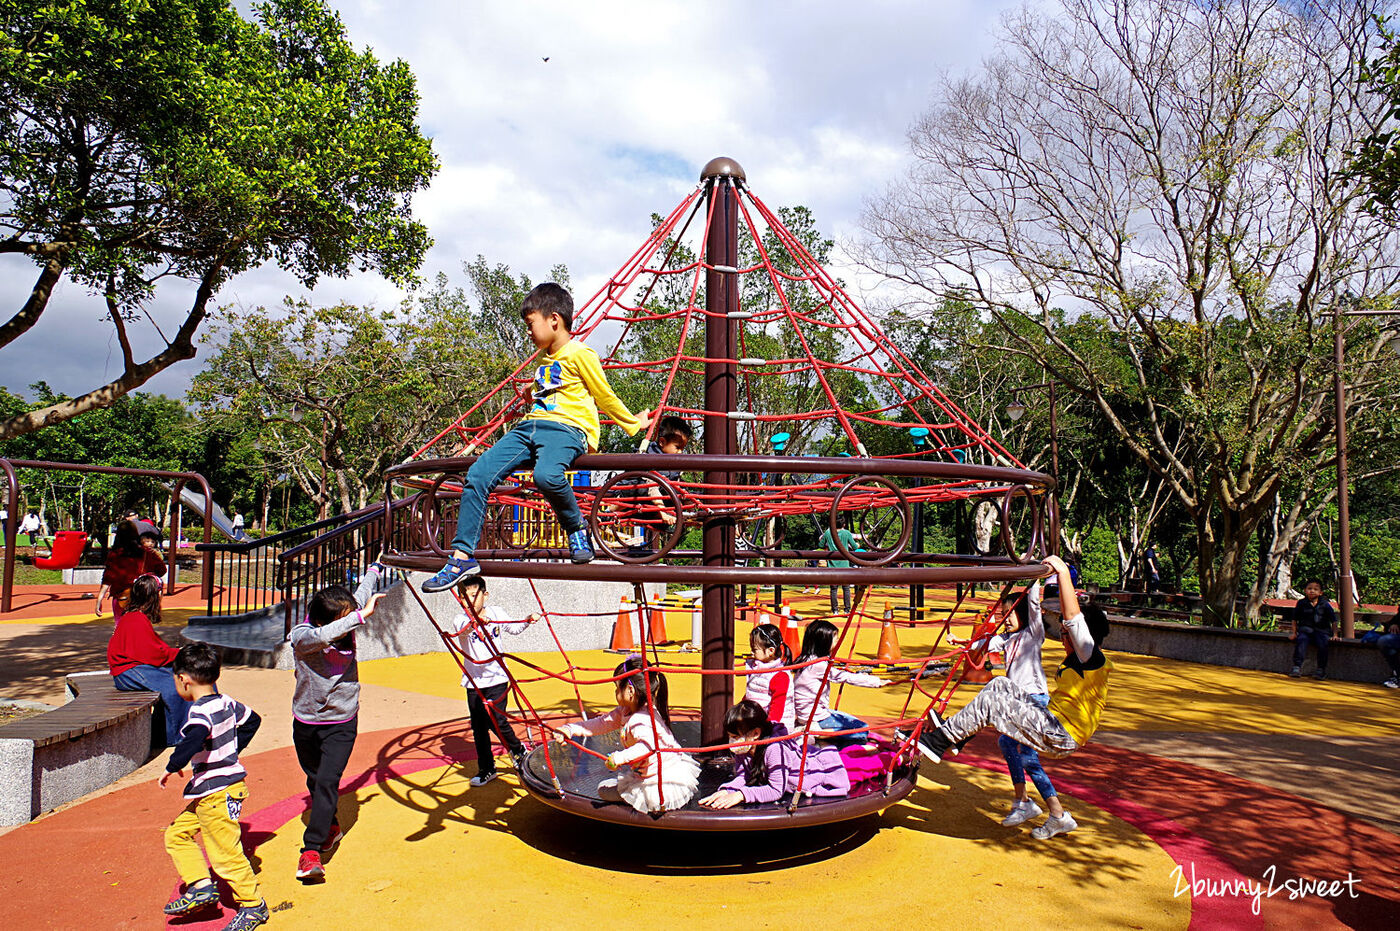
x,y
332,841
309,868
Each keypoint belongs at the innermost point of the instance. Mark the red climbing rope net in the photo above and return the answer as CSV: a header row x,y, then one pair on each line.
x,y
799,327
932,677
819,381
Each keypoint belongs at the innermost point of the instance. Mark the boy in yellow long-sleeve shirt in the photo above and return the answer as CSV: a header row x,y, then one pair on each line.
x,y
561,425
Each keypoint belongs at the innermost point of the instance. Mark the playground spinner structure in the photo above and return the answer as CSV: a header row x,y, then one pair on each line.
x,y
732,327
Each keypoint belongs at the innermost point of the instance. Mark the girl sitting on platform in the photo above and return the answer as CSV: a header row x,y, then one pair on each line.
x,y
767,772
140,661
768,683
812,690
647,779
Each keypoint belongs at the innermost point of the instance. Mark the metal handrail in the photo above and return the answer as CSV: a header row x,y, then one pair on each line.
x,y
282,535
294,581
806,465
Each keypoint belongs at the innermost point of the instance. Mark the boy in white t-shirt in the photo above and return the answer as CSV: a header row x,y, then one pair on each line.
x,y
485,677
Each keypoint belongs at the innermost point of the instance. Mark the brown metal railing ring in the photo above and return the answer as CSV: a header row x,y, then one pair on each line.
x,y
900,507
1037,524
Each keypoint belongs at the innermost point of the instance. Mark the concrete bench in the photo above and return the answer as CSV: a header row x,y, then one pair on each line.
x,y
1270,651
100,735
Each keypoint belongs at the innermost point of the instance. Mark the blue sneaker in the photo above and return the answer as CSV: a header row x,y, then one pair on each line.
x,y
452,573
580,550
193,899
250,917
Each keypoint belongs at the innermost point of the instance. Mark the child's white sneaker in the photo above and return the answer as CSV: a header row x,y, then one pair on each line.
x,y
1021,811
1052,826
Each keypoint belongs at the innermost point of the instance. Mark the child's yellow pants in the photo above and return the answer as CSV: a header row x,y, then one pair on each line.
x,y
216,817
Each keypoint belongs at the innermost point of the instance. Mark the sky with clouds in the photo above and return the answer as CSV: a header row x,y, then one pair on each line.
x,y
564,161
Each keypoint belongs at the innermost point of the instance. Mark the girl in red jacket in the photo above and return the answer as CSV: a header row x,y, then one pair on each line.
x,y
140,661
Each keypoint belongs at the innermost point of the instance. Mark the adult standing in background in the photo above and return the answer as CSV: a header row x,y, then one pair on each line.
x,y
1152,568
127,559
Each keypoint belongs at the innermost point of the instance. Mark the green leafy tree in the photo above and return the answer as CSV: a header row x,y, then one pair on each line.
x,y
1376,160
143,140
499,293
335,395
138,430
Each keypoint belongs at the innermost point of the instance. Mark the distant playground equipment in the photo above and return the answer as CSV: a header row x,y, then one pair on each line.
x,y
177,480
752,500
67,549
194,500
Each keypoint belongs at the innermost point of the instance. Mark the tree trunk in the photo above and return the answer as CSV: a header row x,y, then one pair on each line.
x,y
38,299
1223,549
134,376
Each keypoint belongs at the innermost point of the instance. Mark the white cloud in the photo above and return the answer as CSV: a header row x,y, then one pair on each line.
x,y
564,160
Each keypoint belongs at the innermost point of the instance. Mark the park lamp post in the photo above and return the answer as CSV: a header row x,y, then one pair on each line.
x,y
922,444
1017,408
1346,582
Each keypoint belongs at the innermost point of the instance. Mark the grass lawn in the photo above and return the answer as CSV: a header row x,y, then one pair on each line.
x,y
28,575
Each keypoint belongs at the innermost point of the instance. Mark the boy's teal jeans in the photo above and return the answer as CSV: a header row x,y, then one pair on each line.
x,y
546,445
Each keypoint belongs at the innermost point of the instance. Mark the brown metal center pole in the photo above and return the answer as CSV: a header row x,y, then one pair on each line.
x,y
721,391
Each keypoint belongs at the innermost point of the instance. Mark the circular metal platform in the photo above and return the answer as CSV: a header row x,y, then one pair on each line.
x,y
580,773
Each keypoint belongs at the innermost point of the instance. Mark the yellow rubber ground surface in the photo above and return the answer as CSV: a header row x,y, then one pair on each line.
x,y
430,846
425,850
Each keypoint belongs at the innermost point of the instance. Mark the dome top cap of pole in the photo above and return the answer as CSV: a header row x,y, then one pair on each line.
x,y
722,167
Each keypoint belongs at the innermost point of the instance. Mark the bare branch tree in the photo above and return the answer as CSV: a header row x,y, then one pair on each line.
x,y
1169,174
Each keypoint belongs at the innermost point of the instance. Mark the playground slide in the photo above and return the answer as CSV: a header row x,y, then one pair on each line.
x,y
194,500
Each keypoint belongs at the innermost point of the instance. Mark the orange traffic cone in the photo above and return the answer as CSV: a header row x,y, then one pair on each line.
x,y
792,635
889,642
624,640
656,617
977,673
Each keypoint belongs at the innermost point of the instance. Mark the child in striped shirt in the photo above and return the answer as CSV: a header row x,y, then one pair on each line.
x,y
215,733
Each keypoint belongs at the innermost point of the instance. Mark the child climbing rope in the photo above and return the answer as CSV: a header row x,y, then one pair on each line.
x,y
1022,648
1074,711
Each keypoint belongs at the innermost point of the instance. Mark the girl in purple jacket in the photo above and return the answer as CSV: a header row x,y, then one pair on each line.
x,y
767,772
